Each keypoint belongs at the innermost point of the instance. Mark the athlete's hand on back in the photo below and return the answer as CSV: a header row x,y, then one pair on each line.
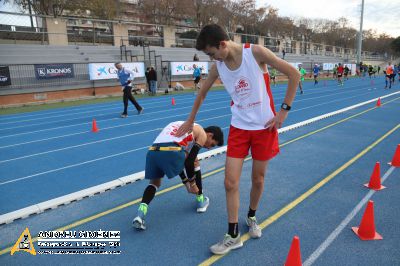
x,y
277,121
184,128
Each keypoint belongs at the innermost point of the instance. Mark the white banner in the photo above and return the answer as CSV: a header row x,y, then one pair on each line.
x,y
108,70
352,68
186,68
329,66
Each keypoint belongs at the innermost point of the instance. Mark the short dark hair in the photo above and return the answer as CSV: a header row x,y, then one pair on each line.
x,y
211,35
218,135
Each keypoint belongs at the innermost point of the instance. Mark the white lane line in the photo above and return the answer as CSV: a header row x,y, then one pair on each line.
x,y
80,145
98,115
135,123
70,166
106,128
313,92
205,104
82,112
328,241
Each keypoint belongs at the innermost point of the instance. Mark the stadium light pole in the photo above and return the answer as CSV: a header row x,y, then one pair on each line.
x,y
359,43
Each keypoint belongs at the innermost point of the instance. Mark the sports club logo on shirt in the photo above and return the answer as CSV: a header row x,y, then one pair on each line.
x,y
242,88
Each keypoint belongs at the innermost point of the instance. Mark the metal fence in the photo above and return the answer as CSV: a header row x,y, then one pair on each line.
x,y
24,80
86,31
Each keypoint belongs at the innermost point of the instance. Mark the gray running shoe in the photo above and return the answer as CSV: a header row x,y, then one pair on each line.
x,y
254,229
202,203
138,221
226,245
141,111
124,115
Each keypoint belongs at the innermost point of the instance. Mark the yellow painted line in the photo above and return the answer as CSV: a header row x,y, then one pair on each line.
x,y
305,195
128,204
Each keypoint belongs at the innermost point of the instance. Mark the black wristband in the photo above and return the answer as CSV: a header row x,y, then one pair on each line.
x,y
286,107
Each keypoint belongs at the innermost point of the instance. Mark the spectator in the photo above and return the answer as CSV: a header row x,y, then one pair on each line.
x,y
153,81
283,54
147,79
195,57
197,77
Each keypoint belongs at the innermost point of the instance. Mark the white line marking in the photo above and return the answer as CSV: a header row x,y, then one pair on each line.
x,y
328,241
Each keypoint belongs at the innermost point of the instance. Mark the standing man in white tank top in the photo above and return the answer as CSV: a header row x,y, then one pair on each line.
x,y
254,124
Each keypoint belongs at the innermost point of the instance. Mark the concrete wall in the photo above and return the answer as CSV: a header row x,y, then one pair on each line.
x,y
57,29
169,36
120,32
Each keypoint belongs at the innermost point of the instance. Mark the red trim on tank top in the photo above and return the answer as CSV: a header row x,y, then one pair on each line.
x,y
268,88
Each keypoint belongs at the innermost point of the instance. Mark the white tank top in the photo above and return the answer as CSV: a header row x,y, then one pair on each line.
x,y
168,135
252,104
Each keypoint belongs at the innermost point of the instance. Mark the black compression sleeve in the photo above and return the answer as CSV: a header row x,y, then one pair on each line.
x,y
189,162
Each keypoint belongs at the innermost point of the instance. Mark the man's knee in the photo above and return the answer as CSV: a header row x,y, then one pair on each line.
x,y
231,184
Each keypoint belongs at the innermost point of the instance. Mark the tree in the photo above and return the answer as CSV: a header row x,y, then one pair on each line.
x,y
395,45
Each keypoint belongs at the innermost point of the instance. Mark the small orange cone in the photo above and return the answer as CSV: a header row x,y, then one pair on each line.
x,y
366,231
94,126
375,179
294,255
173,101
396,157
378,103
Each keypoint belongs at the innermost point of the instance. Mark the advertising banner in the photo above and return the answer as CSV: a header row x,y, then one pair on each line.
x,y
328,66
352,68
49,71
109,71
5,79
186,68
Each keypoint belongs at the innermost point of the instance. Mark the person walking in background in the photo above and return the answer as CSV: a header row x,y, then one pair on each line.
x,y
147,79
389,74
340,71
125,77
273,75
254,125
197,77
283,54
303,73
153,81
334,72
316,73
346,72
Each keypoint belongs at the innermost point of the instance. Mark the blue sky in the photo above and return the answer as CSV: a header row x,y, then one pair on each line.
x,y
381,15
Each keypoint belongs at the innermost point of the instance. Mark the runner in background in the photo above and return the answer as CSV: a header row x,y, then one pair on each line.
x,y
316,73
340,71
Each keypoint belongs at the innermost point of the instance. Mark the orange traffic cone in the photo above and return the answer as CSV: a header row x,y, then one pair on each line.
x,y
378,103
366,231
375,179
173,101
294,255
396,157
94,126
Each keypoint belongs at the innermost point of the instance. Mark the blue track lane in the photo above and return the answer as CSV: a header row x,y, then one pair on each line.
x,y
52,153
177,235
